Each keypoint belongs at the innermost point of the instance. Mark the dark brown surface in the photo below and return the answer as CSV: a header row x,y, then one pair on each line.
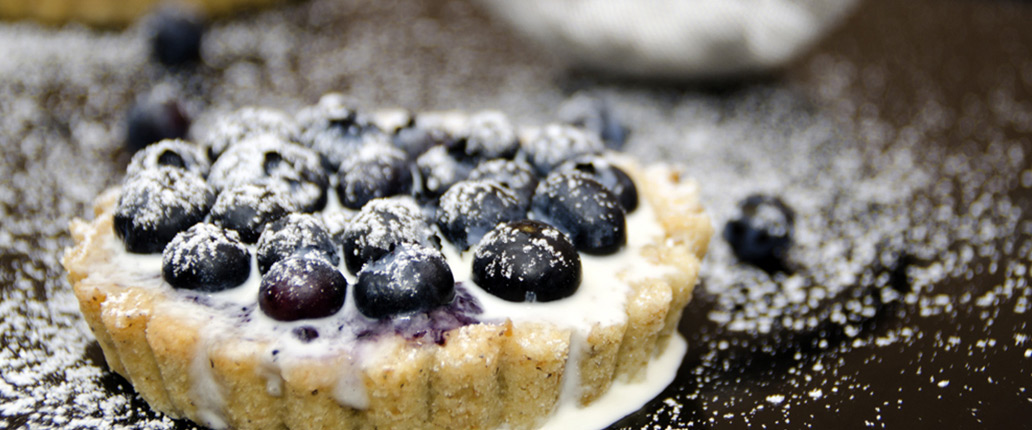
x,y
942,77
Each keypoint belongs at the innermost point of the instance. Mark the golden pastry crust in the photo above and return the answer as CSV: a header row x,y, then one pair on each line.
x,y
483,376
111,12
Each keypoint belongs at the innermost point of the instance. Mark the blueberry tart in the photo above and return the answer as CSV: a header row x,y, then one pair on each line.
x,y
232,287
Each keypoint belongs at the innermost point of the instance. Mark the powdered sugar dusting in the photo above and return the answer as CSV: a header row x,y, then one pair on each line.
x,y
226,130
947,184
148,197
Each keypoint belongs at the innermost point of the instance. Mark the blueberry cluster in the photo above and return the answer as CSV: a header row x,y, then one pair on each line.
x,y
260,179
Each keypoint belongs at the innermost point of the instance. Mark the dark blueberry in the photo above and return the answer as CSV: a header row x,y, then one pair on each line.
x,y
585,210
595,115
380,226
489,135
301,288
170,153
153,120
373,170
335,130
176,37
206,258
305,333
513,175
556,143
248,208
409,279
415,138
157,204
295,235
267,159
761,234
527,261
613,178
470,209
237,126
439,170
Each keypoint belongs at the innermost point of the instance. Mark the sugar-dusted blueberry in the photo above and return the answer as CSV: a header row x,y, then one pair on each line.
x,y
267,159
761,233
439,170
292,235
556,143
416,137
489,135
470,209
247,208
176,37
153,119
596,115
334,129
336,221
231,128
157,204
380,226
170,153
584,210
409,279
300,287
610,176
373,170
513,175
527,261
206,258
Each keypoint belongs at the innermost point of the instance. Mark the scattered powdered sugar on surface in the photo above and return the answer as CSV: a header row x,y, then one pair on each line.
x,y
832,338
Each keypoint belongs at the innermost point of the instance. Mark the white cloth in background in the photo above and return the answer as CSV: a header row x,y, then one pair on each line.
x,y
674,38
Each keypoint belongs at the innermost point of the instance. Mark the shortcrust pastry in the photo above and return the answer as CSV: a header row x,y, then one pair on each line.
x,y
300,296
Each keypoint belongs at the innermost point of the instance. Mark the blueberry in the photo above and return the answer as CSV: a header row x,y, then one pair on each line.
x,y
489,135
596,115
380,226
556,143
513,175
334,130
293,235
152,120
267,159
373,170
439,170
206,258
157,204
176,38
305,333
415,138
527,261
301,288
170,153
762,232
470,209
409,279
613,178
248,208
229,129
584,210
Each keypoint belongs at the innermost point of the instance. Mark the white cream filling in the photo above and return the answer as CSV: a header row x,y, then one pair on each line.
x,y
600,300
